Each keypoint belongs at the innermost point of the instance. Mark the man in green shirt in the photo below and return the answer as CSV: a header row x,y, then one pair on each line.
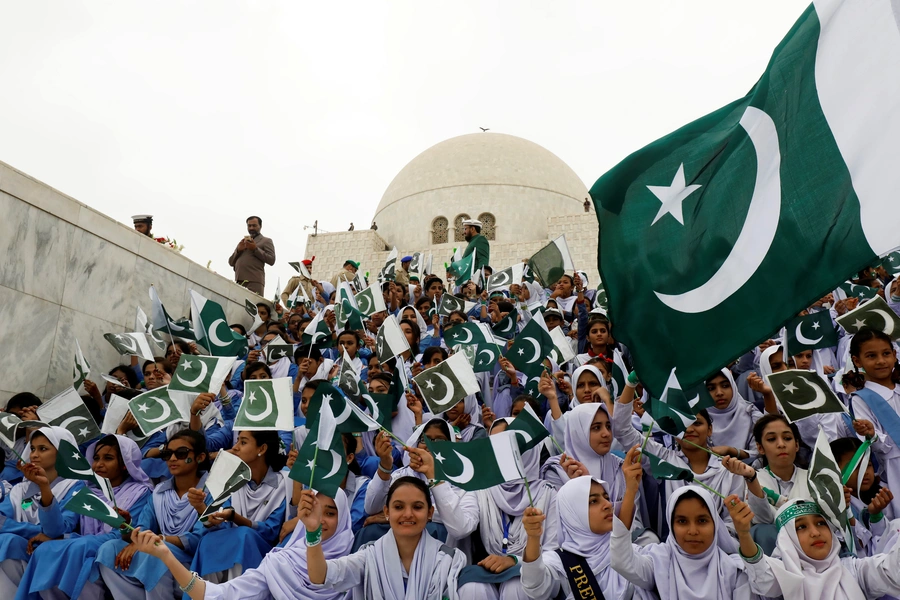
x,y
472,232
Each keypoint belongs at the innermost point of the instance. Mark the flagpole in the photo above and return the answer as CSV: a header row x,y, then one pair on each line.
x,y
647,437
528,490
706,487
312,471
701,447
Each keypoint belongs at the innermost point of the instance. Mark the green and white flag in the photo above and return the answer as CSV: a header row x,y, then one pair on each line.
x,y
200,374
529,428
416,264
390,340
371,301
661,469
562,349
348,316
463,270
673,412
444,385
486,356
278,349
251,309
359,282
82,367
84,502
552,262
116,411
318,333
301,268
467,351
348,379
848,289
531,347
71,464
67,410
162,322
325,469
227,475
803,394
875,314
450,303
506,327
503,279
468,333
348,416
825,485
212,329
389,270
891,263
790,188
9,423
156,410
144,345
619,375
268,406
600,298
497,456
810,332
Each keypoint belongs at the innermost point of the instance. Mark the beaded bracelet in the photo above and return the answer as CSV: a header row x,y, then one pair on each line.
x,y
190,586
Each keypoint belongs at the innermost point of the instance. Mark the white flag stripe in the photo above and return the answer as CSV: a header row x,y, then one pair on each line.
x,y
115,412
563,248
856,65
561,341
394,336
197,304
464,373
59,405
140,321
311,328
506,451
225,465
327,426
371,423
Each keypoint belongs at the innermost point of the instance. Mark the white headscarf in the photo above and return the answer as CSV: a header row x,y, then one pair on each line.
x,y
712,575
607,467
765,367
573,401
29,490
732,425
261,501
802,578
576,535
420,321
470,407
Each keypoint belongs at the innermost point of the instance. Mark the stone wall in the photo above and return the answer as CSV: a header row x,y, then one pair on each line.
x,y
70,272
367,247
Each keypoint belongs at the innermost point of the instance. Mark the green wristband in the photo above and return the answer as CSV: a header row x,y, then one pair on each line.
x,y
314,538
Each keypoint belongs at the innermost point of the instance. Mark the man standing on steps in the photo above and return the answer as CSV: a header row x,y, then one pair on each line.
x,y
251,256
472,232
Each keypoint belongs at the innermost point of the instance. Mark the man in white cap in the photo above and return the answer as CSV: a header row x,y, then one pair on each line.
x,y
472,231
143,224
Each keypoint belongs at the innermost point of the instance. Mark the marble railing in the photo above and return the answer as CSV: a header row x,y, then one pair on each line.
x,y
67,272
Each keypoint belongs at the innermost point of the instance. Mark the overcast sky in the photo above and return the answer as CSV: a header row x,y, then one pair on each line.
x,y
203,112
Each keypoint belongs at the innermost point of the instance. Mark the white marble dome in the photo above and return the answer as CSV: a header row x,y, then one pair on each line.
x,y
482,175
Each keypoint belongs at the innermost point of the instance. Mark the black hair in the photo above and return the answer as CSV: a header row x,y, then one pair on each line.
x,y
239,327
413,481
352,332
417,335
505,306
254,217
867,334
705,414
349,441
253,368
181,345
422,301
275,327
527,399
431,279
441,424
571,279
369,360
312,385
275,458
198,444
128,372
22,400
844,447
460,313
764,421
688,495
431,351
305,351
385,378
110,441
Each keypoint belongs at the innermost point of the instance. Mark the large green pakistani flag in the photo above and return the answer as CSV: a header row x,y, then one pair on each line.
x,y
552,261
212,329
268,406
875,314
810,332
790,188
67,410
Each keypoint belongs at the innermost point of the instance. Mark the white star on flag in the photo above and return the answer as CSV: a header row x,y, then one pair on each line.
x,y
521,351
859,323
83,432
143,408
672,196
310,464
326,398
439,457
88,507
76,456
251,397
429,384
816,325
790,387
187,365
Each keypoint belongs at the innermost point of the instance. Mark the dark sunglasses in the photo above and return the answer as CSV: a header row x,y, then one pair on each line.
x,y
180,454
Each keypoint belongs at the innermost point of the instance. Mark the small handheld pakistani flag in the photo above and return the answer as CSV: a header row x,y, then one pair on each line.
x,y
84,502
359,281
371,301
672,412
227,475
506,327
891,263
156,410
415,265
661,469
803,394
347,415
67,410
348,316
562,350
860,292
600,298
875,314
71,464
163,322
463,270
144,345
447,383
390,341
552,261
278,349
505,278
116,411
529,428
468,333
212,329
531,347
301,268
467,351
251,309
810,332
486,356
389,270
268,406
497,456
9,423
200,374
450,303
348,380
276,300
619,375
321,462
318,333
825,485
82,367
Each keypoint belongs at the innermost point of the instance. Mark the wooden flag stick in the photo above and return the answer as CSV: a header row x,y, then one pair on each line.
x,y
701,447
709,489
528,490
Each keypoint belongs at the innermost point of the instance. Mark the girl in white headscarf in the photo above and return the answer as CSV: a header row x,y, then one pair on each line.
x,y
809,567
588,386
585,523
407,563
734,417
695,561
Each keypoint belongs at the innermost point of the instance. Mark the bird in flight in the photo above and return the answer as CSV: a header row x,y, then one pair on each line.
x,y
484,129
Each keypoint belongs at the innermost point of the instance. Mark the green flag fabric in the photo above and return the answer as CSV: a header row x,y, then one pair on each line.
x,y
84,502
9,423
552,261
463,270
156,410
450,303
317,332
789,188
660,469
278,349
389,270
875,314
672,412
562,349
506,327
390,341
803,394
348,379
529,429
227,475
468,333
164,323
330,463
497,457
348,416
212,330
144,345
860,292
891,263
67,410
824,482
371,301
71,464
200,374
810,332
268,405
486,356
531,347
82,367
444,385
501,280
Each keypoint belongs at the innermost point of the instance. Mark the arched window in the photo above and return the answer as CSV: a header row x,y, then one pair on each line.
x,y
439,231
459,235
487,225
